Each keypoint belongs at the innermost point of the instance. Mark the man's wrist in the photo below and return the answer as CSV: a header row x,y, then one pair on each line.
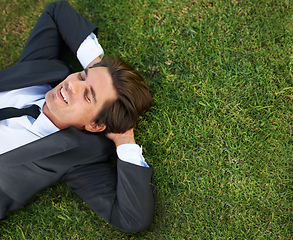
x,y
131,153
120,142
95,61
122,138
89,50
128,149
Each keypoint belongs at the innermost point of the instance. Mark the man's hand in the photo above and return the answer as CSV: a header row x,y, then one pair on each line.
x,y
95,61
122,138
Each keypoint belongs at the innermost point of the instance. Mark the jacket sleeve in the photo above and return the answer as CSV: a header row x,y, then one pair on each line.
x,y
59,23
125,199
72,26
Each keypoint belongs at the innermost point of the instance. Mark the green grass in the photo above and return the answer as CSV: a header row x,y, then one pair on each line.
x,y
220,132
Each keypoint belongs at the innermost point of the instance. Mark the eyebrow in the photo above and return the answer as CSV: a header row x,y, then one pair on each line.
x,y
93,94
92,90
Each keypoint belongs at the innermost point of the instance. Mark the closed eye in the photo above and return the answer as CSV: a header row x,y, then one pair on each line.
x,y
81,77
86,95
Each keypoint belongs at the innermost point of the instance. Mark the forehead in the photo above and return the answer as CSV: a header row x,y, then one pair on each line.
x,y
98,72
101,81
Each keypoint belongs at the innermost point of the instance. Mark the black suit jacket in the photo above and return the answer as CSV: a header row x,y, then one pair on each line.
x,y
124,196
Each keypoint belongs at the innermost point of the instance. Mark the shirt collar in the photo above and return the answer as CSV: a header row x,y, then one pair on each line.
x,y
42,126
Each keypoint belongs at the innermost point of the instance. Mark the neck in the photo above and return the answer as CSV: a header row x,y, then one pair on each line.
x,y
48,114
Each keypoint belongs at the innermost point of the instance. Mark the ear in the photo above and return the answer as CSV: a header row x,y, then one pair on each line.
x,y
94,127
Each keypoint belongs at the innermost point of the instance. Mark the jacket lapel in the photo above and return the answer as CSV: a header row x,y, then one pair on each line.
x,y
43,148
66,148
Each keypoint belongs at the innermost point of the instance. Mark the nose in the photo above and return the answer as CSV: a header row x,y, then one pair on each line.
x,y
76,86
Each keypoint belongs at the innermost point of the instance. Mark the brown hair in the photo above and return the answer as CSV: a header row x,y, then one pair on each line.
x,y
133,98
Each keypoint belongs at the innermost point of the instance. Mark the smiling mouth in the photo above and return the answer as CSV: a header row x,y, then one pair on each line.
x,y
63,95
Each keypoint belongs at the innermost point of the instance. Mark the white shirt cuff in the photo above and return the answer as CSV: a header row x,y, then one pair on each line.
x,y
131,153
89,50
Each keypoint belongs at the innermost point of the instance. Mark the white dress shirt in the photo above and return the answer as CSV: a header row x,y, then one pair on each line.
x,y
18,131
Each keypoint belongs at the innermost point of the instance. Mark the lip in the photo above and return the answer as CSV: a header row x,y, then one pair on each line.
x,y
60,96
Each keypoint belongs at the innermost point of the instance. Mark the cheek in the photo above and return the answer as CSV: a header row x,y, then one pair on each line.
x,y
49,100
47,95
82,112
90,113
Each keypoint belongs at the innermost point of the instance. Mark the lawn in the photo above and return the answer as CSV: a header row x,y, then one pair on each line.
x,y
219,134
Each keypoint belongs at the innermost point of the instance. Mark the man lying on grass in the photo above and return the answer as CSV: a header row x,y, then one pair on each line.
x,y
71,122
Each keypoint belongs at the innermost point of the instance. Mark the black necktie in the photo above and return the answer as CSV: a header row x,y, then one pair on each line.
x,y
11,112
